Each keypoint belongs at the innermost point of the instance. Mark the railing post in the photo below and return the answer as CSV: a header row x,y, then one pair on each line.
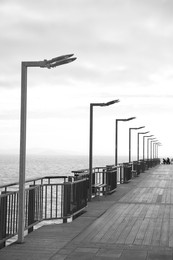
x,y
121,174
67,201
31,208
3,219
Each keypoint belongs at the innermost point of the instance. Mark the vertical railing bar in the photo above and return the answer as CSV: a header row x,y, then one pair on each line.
x,y
39,202
26,208
56,199
36,202
41,198
62,200
17,210
14,212
45,201
11,224
9,206
51,202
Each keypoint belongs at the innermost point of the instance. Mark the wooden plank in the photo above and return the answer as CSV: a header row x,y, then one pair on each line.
x,y
133,232
164,238
141,232
127,229
157,232
111,232
171,233
149,232
95,227
109,223
114,236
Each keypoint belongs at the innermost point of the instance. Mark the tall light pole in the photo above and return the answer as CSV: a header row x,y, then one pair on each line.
x,y
140,133
116,135
130,129
24,65
152,147
157,153
144,145
91,140
148,146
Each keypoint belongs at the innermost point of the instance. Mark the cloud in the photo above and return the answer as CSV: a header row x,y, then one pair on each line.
x,y
124,50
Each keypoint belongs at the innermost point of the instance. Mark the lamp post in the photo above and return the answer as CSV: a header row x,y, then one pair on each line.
x,y
91,140
116,135
130,129
152,147
158,144
148,146
24,65
140,133
144,144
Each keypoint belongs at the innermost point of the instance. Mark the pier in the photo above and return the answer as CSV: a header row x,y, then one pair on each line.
x,y
134,222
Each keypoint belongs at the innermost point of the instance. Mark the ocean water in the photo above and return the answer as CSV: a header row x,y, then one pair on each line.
x,y
44,165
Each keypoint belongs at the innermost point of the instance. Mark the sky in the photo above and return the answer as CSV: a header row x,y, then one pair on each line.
x,y
124,51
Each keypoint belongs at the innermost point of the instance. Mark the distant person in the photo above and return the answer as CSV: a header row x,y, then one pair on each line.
x,y
164,161
168,161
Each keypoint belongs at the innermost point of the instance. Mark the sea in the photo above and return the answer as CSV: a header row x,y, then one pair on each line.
x,y
38,166
49,165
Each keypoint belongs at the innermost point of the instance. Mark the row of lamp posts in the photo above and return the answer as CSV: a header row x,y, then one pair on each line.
x,y
22,167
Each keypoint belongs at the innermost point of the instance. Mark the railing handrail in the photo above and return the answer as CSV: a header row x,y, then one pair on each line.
x,y
35,179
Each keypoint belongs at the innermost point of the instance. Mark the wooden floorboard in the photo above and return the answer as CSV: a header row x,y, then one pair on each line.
x,y
141,217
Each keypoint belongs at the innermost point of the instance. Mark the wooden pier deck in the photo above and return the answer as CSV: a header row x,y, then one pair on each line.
x,y
135,222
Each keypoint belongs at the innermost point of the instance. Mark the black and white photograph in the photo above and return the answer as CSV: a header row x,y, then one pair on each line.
x,y
86,147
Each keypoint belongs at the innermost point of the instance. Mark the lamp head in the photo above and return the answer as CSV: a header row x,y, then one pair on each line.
x,y
144,132
57,61
130,118
111,102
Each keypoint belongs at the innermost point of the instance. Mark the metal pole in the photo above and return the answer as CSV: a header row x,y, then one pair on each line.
x,y
90,152
21,222
116,141
143,148
151,150
24,65
148,148
138,147
129,145
154,150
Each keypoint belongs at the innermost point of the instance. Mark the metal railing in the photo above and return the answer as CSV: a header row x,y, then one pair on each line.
x,y
104,179
45,199
61,197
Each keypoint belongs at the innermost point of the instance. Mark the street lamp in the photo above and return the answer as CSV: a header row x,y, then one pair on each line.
x,y
24,65
91,140
148,146
152,147
144,144
132,128
158,144
140,133
116,135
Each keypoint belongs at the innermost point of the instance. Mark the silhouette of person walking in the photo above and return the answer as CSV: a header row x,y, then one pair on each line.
x,y
168,161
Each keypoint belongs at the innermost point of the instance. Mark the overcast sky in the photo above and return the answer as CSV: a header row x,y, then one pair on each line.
x,y
124,51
